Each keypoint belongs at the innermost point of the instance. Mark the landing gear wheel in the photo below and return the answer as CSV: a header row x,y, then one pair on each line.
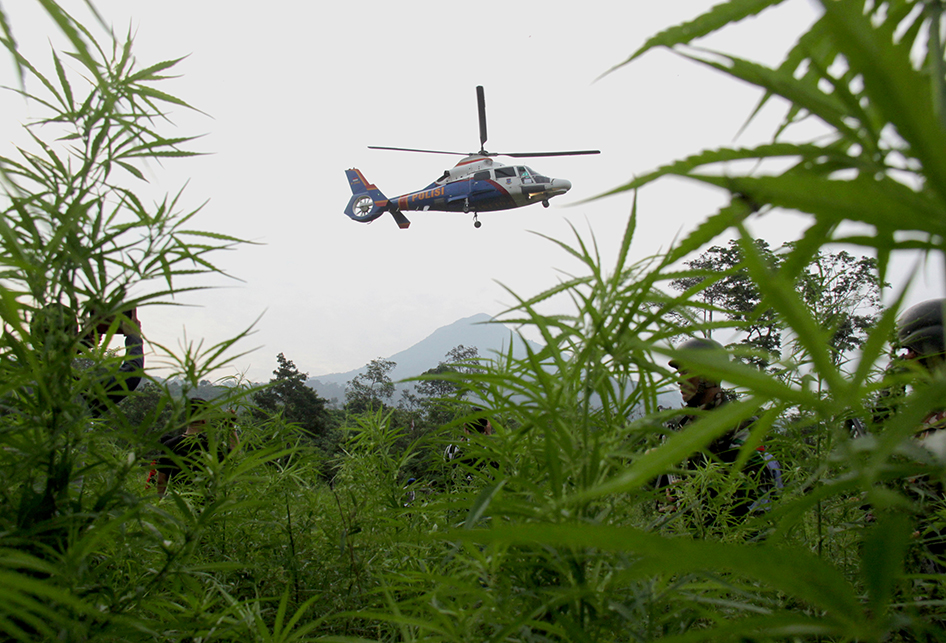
x,y
476,220
545,203
466,206
477,224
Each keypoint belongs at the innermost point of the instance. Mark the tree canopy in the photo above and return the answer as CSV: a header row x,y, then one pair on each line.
x,y
288,395
371,390
840,290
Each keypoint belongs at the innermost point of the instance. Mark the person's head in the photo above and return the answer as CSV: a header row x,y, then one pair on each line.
x,y
695,389
920,334
197,408
480,425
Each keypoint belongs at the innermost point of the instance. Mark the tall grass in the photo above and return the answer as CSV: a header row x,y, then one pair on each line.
x,y
85,551
569,519
551,528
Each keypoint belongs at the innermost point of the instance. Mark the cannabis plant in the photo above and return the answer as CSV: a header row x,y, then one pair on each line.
x,y
82,255
567,537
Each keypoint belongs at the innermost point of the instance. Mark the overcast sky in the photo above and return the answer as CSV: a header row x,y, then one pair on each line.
x,y
292,93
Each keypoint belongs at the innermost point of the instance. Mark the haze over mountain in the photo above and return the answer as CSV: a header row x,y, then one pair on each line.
x,y
488,338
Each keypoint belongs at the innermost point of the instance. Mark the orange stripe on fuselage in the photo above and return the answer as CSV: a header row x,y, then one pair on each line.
x,y
403,202
364,181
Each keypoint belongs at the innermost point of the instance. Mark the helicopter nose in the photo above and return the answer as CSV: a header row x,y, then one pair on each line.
x,y
562,185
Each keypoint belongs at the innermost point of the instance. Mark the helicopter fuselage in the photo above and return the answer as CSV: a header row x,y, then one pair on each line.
x,y
480,184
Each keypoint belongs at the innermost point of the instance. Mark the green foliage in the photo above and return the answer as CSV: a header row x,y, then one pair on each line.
x,y
724,288
842,291
460,359
84,546
562,533
372,390
550,528
148,407
440,390
288,395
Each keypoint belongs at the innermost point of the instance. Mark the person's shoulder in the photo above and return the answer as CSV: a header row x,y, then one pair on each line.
x,y
171,439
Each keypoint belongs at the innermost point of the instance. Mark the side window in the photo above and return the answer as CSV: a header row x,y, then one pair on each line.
x,y
503,172
481,176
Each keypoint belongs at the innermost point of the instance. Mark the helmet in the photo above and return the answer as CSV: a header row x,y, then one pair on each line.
x,y
696,343
920,328
694,389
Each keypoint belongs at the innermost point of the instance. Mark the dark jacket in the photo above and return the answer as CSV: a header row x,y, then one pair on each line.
x,y
111,387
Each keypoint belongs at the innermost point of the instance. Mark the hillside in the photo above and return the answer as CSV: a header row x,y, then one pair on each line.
x,y
488,338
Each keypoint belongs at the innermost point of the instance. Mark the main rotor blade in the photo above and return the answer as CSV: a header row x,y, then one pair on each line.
x,y
408,149
481,108
523,155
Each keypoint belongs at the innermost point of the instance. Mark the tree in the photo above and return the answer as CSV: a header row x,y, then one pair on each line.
x,y
734,296
288,394
465,359
843,292
840,290
459,359
371,390
437,395
436,387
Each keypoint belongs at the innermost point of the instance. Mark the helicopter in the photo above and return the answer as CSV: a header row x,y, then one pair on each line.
x,y
477,183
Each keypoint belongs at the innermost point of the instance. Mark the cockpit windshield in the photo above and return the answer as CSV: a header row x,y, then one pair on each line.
x,y
528,175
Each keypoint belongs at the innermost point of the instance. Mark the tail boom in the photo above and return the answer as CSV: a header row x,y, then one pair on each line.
x,y
367,202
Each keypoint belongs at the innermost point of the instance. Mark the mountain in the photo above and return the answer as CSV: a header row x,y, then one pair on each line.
x,y
428,353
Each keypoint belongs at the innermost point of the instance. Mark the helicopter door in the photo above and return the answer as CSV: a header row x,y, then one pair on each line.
x,y
506,177
481,183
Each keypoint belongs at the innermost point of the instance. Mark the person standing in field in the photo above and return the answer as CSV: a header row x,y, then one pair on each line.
x,y
466,462
760,475
922,348
184,453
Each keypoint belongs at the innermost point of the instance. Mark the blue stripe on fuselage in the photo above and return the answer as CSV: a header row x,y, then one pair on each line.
x,y
484,196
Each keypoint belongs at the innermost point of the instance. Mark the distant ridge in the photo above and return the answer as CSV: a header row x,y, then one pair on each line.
x,y
488,338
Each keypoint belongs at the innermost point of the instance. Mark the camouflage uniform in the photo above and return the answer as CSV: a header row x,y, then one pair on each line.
x,y
763,472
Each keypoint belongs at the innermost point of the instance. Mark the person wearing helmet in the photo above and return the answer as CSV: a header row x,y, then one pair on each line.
x,y
702,393
185,453
698,391
921,349
920,333
921,342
